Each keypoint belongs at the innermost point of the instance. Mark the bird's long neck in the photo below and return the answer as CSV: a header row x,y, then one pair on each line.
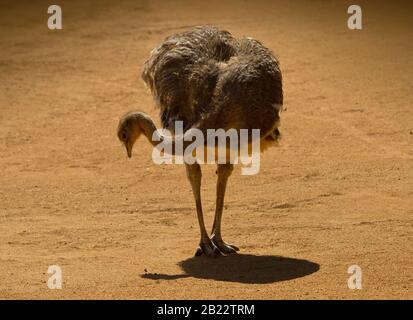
x,y
149,129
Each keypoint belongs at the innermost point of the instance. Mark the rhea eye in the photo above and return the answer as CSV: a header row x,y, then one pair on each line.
x,y
124,136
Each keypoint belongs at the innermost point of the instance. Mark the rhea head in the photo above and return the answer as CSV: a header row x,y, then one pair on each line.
x,y
129,130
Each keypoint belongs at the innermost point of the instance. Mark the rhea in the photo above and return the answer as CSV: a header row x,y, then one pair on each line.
x,y
208,79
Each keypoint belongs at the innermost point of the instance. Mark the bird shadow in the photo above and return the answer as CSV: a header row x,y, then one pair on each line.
x,y
242,268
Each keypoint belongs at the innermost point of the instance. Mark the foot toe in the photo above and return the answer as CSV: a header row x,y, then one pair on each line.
x,y
208,249
226,249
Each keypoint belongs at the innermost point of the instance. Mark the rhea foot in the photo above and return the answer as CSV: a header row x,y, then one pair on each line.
x,y
225,248
207,248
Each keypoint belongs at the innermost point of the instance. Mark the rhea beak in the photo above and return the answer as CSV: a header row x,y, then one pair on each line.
x,y
128,146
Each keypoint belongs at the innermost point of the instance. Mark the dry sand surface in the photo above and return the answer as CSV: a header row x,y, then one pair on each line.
x,y
337,192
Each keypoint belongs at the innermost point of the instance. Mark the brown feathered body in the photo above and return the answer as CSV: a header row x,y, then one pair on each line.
x,y
209,80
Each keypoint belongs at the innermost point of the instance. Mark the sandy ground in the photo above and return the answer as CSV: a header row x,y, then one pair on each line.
x,y
337,192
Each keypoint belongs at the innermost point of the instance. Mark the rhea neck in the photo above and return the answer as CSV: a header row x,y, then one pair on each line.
x,y
147,127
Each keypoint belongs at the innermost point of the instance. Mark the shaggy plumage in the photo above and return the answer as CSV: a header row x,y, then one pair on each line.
x,y
208,79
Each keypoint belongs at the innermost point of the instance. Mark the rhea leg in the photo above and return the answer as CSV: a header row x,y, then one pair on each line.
x,y
223,172
206,246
